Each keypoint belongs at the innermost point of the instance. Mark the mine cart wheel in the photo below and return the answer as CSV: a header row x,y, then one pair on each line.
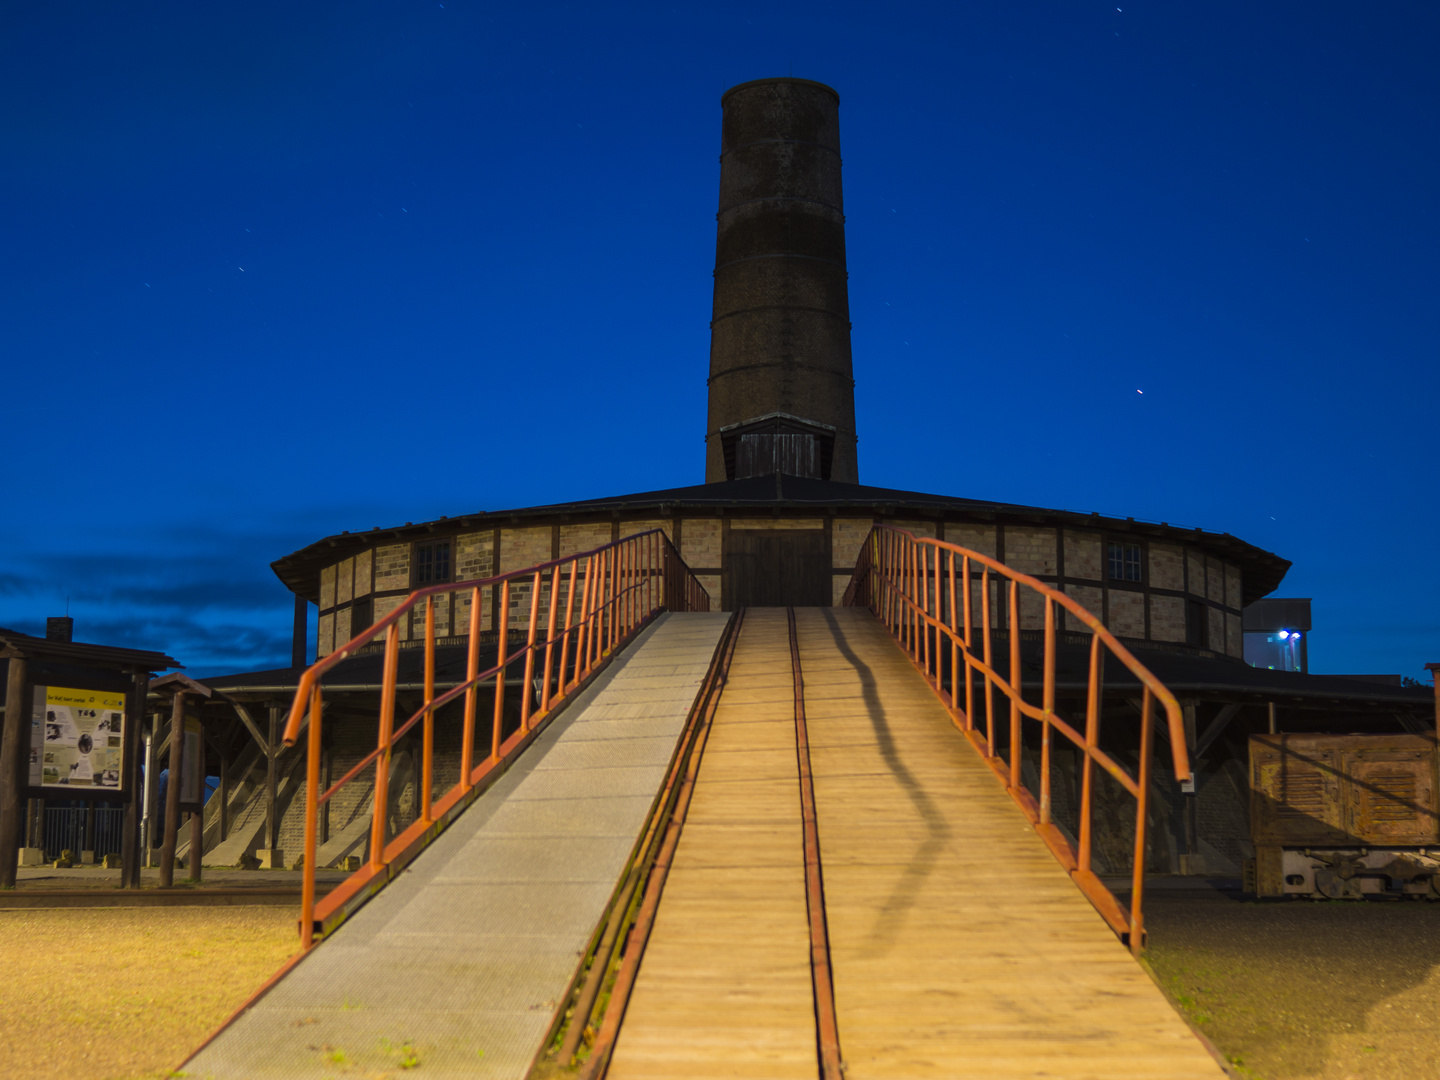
x,y
1335,887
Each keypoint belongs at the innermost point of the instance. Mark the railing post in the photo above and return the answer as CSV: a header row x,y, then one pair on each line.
x,y
597,609
564,678
633,551
954,641
472,669
503,613
612,608
427,757
969,642
382,763
1142,804
528,689
1092,739
1015,741
922,558
312,815
913,547
985,639
551,613
1048,707
606,616
938,610
892,586
582,638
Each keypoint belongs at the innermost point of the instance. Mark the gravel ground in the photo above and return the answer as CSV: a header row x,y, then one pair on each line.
x,y
1286,990
1289,989
126,993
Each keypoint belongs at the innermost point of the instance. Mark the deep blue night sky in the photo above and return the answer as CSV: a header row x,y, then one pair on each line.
x,y
277,270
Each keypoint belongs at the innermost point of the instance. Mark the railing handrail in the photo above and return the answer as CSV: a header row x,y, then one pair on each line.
x,y
918,583
625,583
1174,717
295,723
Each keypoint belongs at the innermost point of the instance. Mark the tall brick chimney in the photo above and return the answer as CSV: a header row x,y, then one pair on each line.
x,y
782,396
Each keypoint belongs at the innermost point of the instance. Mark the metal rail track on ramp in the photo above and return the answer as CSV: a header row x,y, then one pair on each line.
x,y
958,945
458,966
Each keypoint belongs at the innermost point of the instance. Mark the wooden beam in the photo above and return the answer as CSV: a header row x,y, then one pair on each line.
x,y
272,827
1215,727
224,798
250,724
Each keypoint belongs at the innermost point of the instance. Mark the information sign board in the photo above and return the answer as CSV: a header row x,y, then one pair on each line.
x,y
76,738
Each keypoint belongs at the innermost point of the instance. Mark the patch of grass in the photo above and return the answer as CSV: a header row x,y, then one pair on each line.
x,y
133,989
1330,991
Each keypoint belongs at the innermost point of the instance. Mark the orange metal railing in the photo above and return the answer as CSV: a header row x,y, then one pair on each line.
x,y
919,588
619,588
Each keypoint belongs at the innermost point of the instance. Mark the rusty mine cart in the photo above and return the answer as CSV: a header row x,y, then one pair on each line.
x,y
1344,816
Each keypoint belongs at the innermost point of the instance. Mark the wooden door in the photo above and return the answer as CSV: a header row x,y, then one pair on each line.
x,y
777,568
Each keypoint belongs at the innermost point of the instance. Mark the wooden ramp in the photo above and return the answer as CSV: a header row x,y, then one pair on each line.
x,y
724,989
959,947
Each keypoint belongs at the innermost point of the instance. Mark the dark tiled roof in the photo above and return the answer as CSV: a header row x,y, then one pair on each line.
x,y
1185,675
13,642
363,672
1262,570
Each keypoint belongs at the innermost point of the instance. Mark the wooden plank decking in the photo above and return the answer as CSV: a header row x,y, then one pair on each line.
x,y
959,947
724,989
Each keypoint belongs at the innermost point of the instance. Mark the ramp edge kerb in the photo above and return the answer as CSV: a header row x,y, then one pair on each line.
x,y
436,827
1210,1047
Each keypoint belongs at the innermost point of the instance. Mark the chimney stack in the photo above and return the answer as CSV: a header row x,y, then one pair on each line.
x,y
782,395
60,628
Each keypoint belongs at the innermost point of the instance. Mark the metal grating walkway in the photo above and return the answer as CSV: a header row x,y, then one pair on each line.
x,y
457,965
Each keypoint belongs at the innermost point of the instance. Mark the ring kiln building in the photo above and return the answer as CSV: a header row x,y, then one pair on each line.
x,y
782,514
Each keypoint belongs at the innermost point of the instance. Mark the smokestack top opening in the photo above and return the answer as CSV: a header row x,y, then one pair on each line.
x,y
761,82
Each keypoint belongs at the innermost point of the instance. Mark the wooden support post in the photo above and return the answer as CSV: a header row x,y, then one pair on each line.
x,y
224,799
133,720
1190,862
87,840
172,790
12,760
197,839
272,749
1273,728
150,793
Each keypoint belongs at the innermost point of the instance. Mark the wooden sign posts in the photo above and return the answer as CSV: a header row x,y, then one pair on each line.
x,y
185,787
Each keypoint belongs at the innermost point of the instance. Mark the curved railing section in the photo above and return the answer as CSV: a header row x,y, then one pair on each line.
x,y
582,609
918,587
